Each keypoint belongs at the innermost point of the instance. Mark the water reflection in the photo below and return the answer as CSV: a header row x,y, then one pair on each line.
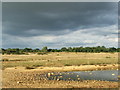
x,y
105,75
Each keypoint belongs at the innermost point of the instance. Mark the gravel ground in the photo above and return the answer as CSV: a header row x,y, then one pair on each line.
x,y
22,78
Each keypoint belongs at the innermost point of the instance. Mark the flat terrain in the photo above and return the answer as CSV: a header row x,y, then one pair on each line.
x,y
22,78
59,59
27,71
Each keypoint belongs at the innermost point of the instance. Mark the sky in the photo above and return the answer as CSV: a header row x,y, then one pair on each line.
x,y
59,24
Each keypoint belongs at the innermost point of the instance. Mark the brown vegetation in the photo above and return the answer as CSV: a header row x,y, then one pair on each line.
x,y
26,71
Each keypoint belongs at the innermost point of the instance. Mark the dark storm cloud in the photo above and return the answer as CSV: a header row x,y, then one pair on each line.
x,y
119,22
38,18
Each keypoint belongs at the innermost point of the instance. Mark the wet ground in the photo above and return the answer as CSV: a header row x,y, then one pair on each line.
x,y
103,75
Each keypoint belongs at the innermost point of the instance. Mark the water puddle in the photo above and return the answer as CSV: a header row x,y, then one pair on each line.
x,y
103,75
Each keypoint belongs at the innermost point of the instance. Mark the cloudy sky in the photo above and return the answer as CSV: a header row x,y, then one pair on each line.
x,y
60,24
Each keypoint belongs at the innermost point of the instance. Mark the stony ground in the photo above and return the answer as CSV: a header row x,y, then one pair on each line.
x,y
19,77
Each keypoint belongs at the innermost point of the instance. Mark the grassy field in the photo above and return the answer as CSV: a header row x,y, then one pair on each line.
x,y
59,59
25,69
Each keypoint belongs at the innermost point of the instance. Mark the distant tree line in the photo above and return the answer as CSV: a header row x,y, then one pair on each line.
x,y
97,49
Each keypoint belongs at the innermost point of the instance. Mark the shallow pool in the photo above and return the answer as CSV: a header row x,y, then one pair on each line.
x,y
104,75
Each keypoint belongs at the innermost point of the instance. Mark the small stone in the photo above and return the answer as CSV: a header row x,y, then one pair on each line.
x,y
78,78
19,82
113,74
58,79
77,75
52,73
60,73
49,74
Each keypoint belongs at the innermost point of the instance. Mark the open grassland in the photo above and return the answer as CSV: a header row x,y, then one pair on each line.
x,y
26,71
58,59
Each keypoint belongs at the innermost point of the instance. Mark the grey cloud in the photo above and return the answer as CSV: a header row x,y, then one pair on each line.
x,y
57,25
22,18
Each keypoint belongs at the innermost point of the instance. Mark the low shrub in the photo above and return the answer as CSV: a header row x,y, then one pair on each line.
x,y
108,57
29,67
42,53
37,65
67,65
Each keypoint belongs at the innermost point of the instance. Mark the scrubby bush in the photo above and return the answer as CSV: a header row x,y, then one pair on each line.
x,y
67,65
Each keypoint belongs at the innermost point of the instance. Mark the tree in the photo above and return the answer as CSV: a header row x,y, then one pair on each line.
x,y
27,50
44,49
36,50
69,49
64,49
112,49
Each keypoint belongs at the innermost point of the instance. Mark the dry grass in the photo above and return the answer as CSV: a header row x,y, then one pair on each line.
x,y
59,59
26,67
